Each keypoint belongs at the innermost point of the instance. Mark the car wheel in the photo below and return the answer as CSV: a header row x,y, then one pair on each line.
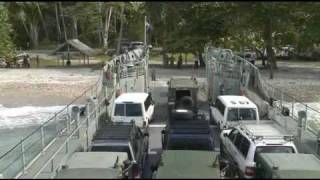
x,y
231,171
222,153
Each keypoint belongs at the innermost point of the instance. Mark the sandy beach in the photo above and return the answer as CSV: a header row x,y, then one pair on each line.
x,y
44,87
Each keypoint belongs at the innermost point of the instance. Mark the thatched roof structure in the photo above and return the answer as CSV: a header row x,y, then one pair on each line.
x,y
74,45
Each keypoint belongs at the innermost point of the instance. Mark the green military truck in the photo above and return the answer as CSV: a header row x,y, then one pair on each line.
x,y
287,166
97,165
179,164
182,97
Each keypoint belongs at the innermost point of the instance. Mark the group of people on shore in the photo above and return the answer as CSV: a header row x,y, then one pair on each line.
x,y
169,61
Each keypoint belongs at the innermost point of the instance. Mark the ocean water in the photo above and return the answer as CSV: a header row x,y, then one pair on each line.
x,y
16,123
18,117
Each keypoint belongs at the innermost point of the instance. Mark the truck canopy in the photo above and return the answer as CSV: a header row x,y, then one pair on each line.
x,y
178,82
176,164
93,164
189,135
297,166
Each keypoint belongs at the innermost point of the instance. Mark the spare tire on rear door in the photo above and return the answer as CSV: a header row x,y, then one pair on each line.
x,y
185,102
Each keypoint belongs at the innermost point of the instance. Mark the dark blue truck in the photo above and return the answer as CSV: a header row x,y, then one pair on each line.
x,y
192,134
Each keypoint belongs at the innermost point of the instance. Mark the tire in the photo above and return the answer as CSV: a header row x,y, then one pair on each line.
x,y
185,102
232,171
222,153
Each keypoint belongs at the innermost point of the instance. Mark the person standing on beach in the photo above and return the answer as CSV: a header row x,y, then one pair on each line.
x,y
179,64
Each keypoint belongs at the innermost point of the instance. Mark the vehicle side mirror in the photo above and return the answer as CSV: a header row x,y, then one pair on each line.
x,y
162,138
152,101
163,132
285,111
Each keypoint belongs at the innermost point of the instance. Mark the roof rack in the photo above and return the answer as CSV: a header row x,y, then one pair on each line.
x,y
286,137
189,131
115,131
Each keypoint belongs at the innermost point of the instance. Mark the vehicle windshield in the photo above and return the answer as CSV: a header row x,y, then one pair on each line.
x,y
128,110
119,110
133,110
273,149
236,114
247,56
124,148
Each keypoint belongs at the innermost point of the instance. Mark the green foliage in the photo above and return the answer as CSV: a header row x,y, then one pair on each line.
x,y
6,45
177,26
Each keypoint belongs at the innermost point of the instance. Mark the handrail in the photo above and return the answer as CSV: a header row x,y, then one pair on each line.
x,y
49,120
82,123
55,114
213,54
94,88
264,81
63,144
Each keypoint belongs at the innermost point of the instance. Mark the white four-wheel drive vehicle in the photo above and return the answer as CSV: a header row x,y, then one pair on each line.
x,y
229,110
240,145
137,107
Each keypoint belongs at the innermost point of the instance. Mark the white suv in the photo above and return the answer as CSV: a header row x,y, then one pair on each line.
x,y
138,107
229,110
241,144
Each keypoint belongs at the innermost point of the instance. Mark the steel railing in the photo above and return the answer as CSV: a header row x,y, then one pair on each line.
x,y
306,128
91,120
19,158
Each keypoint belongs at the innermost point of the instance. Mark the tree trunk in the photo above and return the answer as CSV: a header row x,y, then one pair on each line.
x,y
100,27
25,28
34,34
225,43
58,23
42,21
121,27
75,27
269,43
106,30
115,24
259,52
185,58
202,64
64,25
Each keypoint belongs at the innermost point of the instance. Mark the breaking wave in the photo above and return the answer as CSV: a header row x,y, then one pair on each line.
x,y
26,115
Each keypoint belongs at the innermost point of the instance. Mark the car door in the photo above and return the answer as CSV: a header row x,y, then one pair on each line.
x,y
239,151
232,143
227,142
218,111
